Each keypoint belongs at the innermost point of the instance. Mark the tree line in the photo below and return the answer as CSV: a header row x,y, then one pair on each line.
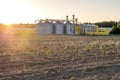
x,y
21,25
5,28
106,24
116,29
114,25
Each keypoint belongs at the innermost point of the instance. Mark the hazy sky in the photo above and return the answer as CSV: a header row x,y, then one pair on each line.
x,y
23,11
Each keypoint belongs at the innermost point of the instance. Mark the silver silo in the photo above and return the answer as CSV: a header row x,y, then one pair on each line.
x,y
48,27
39,28
59,27
69,28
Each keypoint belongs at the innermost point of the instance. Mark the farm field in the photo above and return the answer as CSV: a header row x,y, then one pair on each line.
x,y
59,57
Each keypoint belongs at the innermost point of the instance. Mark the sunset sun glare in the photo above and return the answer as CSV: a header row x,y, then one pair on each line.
x,y
27,11
15,11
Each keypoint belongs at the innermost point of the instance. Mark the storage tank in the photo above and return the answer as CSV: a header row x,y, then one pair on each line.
x,y
59,28
39,28
44,28
48,27
69,28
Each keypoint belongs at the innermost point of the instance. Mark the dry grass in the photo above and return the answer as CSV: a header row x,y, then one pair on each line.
x,y
55,57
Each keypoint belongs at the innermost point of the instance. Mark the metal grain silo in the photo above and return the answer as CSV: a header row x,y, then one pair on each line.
x,y
59,28
48,27
44,28
39,28
69,28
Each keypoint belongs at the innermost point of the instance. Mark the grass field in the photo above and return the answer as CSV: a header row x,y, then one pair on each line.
x,y
56,57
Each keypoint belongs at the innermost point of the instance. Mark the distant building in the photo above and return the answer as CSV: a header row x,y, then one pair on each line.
x,y
68,27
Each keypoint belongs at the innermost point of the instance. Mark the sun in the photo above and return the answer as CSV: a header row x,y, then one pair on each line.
x,y
14,11
20,11
7,25
11,10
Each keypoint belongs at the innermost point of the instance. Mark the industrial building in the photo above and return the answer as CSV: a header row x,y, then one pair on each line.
x,y
68,27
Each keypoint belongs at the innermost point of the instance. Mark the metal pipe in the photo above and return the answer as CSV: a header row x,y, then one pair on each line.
x,y
76,20
73,24
66,18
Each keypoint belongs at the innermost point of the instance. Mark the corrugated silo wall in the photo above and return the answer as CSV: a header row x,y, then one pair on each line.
x,y
54,28
59,28
44,28
64,29
48,28
69,28
39,28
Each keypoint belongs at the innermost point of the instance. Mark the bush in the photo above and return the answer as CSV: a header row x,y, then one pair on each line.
x,y
116,29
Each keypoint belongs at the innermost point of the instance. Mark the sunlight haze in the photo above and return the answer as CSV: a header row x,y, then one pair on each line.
x,y
27,11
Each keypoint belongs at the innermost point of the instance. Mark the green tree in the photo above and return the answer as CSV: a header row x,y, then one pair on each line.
x,y
118,25
106,24
116,29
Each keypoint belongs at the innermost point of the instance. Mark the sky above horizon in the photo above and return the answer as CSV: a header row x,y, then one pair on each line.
x,y
27,11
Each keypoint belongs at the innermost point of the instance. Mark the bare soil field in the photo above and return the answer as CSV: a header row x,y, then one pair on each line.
x,y
59,57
